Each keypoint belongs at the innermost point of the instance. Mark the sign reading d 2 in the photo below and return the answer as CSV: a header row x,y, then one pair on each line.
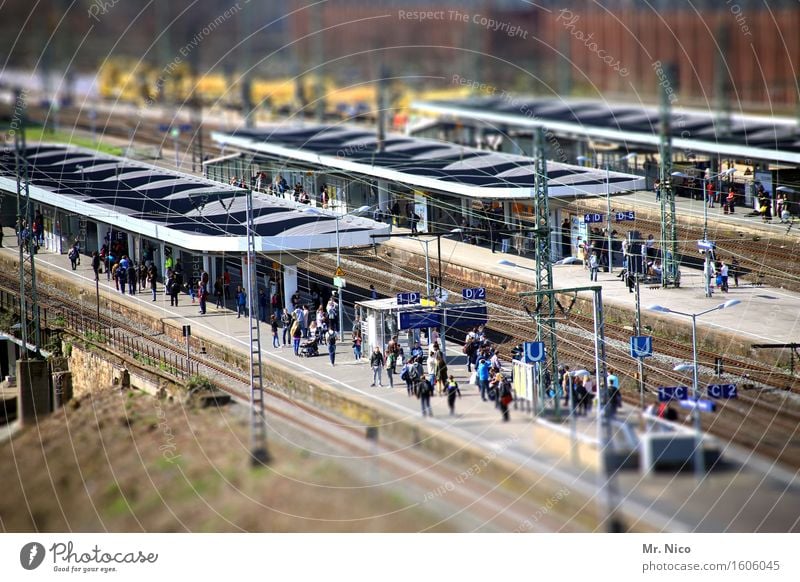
x,y
534,352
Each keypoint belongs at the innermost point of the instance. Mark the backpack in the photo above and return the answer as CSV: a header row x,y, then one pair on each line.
x,y
413,372
404,373
425,388
331,338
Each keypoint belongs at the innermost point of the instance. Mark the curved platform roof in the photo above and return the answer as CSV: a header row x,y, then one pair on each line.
x,y
422,163
746,137
179,209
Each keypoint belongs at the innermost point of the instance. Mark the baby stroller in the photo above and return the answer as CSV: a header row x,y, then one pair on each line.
x,y
309,348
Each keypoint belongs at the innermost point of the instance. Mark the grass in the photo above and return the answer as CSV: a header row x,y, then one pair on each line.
x,y
36,133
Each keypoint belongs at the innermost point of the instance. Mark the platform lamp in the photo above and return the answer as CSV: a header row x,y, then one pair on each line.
x,y
337,218
628,157
699,462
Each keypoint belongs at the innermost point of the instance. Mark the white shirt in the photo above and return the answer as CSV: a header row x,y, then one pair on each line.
x,y
723,271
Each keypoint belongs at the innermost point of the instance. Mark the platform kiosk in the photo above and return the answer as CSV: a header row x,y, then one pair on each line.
x,y
380,323
382,319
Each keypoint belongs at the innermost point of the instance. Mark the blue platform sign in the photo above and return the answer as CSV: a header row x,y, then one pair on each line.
x,y
407,298
702,405
641,346
594,217
667,393
419,319
722,391
627,215
466,316
533,352
476,293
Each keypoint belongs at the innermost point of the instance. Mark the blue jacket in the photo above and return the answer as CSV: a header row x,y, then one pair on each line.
x,y
483,370
241,298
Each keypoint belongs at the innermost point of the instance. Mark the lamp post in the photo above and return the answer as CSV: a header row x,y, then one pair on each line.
x,y
338,264
699,462
628,157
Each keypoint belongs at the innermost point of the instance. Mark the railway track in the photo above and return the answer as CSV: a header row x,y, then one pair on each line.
x,y
763,419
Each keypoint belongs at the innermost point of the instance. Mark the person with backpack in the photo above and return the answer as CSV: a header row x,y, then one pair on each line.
x,y
424,391
74,256
122,277
504,395
241,302
452,391
376,362
330,339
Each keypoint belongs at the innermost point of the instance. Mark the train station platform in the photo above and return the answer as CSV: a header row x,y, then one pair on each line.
x,y
765,315
748,495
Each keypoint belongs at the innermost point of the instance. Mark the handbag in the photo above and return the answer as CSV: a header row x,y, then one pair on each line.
x,y
473,378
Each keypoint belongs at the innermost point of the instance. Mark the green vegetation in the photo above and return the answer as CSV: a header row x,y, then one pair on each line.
x,y
197,383
36,133
95,337
154,363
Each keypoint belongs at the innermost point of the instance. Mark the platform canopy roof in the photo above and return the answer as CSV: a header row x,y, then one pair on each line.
x,y
179,209
421,163
767,138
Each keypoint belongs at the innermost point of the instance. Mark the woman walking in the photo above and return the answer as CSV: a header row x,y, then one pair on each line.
x,y
452,391
273,321
357,344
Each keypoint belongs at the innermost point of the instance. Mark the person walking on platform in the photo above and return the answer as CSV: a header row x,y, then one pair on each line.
x,y
142,276
152,277
202,295
262,305
424,391
504,395
273,322
175,282
330,339
723,273
376,361
241,302
357,344
133,275
730,200
122,277
226,280
286,322
297,333
483,377
96,265
74,255
594,267
219,295
452,391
